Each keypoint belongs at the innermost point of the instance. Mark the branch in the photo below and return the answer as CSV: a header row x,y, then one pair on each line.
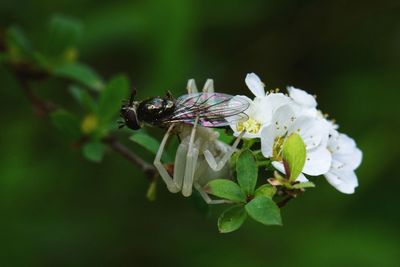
x,y
147,168
44,108
284,201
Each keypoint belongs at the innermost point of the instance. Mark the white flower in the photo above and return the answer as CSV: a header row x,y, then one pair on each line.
x,y
303,102
313,132
260,110
346,157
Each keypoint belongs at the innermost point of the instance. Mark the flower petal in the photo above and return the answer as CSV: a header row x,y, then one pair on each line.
x,y
267,140
318,161
344,182
255,85
311,130
282,119
302,97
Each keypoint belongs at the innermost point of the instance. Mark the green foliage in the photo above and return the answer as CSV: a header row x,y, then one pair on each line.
x,y
94,151
151,193
67,123
83,98
231,219
110,98
150,144
247,171
266,190
264,210
19,46
294,155
81,73
63,34
225,189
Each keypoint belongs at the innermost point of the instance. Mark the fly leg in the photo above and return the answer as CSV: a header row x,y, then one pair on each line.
x,y
217,166
171,185
208,86
191,162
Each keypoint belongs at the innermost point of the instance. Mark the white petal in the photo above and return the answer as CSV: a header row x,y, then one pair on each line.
x,y
344,182
311,131
255,85
267,140
302,97
279,166
318,161
282,119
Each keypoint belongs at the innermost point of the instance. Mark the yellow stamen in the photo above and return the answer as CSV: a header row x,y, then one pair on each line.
x,y
251,126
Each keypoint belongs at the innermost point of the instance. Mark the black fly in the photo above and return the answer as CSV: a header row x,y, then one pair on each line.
x,y
210,109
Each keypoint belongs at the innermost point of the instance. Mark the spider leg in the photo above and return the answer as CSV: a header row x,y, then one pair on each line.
x,y
180,164
211,159
191,86
207,198
171,185
209,86
191,162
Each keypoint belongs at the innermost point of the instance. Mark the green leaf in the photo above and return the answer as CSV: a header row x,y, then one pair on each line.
x,y
111,98
231,219
303,185
224,137
152,191
264,210
81,73
294,155
226,189
67,123
83,98
94,151
266,190
247,172
149,143
63,33
19,46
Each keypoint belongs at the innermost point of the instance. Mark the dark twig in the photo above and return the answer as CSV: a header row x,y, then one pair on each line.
x,y
284,201
44,108
147,168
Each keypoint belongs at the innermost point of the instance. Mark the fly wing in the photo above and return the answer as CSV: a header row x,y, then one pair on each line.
x,y
212,109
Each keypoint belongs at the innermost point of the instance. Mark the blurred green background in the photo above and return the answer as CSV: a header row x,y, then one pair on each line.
x,y
58,209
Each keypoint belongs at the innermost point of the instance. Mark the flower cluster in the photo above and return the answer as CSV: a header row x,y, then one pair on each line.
x,y
273,117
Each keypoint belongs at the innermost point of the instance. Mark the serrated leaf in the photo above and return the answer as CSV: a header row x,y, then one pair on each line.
x,y
149,143
303,185
94,151
81,73
231,219
83,98
266,190
247,172
294,154
225,189
67,123
111,98
63,34
264,210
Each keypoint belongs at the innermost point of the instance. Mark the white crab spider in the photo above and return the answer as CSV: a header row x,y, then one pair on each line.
x,y
200,156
